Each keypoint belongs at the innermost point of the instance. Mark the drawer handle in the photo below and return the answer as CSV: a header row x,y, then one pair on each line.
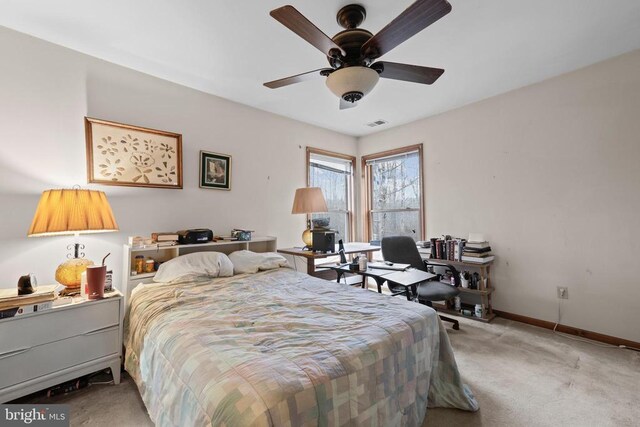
x,y
99,330
14,352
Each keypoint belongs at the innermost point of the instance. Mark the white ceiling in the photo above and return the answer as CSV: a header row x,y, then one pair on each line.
x,y
229,48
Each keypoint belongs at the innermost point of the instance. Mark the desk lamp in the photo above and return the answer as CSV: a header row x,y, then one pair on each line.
x,y
306,201
72,212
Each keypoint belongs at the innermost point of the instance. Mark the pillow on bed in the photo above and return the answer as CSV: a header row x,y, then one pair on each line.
x,y
251,262
212,264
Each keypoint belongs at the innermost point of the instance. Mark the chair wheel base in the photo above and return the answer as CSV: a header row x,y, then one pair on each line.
x,y
456,324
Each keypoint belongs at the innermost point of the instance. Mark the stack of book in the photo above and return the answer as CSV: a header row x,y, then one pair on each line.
x,y
12,304
479,252
164,239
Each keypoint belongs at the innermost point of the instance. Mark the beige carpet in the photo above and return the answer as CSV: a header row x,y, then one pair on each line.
x,y
521,376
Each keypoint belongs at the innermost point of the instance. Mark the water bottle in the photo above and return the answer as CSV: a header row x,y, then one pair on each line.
x,y
362,262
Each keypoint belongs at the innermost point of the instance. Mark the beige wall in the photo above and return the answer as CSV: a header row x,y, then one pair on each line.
x,y
46,90
547,172
550,173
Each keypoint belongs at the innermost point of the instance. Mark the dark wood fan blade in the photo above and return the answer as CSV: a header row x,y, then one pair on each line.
x,y
297,78
414,19
345,105
299,24
408,73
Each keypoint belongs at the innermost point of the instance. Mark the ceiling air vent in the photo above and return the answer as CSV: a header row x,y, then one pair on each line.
x,y
378,122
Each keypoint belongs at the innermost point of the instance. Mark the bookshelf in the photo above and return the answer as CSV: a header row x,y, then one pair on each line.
x,y
482,295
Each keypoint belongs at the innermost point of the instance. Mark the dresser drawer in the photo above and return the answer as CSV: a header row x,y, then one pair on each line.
x,y
57,324
29,363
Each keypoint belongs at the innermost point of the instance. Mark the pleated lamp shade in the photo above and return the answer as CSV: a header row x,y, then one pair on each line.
x,y
309,200
72,211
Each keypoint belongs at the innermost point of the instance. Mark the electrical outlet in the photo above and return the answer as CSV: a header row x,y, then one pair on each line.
x,y
563,292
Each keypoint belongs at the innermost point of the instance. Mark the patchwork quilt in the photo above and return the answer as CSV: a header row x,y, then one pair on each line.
x,y
281,348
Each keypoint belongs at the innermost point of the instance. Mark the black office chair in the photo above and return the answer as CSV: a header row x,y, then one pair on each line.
x,y
403,250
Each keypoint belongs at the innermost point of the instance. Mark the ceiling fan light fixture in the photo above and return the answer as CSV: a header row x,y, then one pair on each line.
x,y
352,82
352,96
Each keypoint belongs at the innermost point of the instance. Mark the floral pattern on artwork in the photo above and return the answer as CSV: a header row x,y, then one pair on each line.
x,y
126,155
130,143
166,174
111,170
108,147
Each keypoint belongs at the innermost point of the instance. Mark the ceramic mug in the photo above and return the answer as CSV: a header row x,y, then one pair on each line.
x,y
96,276
463,282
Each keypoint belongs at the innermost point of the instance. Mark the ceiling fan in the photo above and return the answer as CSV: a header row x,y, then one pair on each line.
x,y
352,52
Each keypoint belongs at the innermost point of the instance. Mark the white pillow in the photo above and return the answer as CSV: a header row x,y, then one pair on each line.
x,y
251,262
212,264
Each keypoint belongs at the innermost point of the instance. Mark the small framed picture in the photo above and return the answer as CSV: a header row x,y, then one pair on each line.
x,y
215,170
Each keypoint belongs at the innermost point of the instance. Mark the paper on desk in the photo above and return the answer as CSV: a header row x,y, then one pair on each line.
x,y
394,266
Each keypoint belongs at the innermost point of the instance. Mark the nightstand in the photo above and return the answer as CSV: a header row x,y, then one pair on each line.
x,y
42,349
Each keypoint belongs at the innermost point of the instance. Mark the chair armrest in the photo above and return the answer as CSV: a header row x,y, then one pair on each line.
x,y
393,294
454,271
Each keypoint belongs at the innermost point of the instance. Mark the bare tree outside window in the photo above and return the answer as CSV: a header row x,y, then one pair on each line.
x,y
395,196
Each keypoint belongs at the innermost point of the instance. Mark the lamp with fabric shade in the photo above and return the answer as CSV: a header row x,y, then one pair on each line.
x,y
306,201
72,212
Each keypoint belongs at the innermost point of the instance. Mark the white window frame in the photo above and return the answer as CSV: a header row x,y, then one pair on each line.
x,y
368,189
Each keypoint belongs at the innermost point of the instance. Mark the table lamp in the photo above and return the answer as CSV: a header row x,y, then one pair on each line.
x,y
306,201
72,212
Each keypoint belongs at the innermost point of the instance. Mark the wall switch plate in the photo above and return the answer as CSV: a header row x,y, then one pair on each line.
x,y
563,292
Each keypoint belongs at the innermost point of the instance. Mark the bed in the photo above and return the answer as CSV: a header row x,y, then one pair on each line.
x,y
283,348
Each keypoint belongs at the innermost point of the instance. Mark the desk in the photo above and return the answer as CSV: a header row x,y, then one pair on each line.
x,y
311,257
408,279
376,274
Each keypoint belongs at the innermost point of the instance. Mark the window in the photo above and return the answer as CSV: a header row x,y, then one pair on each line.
x,y
333,172
393,199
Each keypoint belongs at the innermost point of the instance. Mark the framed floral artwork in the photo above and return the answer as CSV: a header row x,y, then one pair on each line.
x,y
215,170
119,154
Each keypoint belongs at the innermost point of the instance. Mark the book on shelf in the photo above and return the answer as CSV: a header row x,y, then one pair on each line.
x,y
164,237
225,239
25,309
478,260
156,245
478,245
9,298
476,250
448,250
477,254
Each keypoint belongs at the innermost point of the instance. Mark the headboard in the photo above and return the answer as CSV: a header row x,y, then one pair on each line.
x,y
165,253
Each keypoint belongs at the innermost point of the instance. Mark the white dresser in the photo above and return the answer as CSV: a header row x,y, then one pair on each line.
x,y
40,350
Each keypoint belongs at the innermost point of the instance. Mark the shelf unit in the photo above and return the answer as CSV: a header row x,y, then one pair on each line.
x,y
165,253
470,296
